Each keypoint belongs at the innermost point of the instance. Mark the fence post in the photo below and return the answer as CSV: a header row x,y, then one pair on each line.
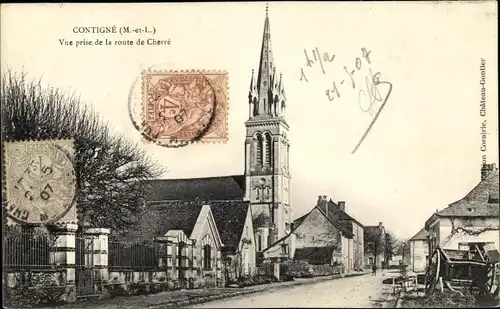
x,y
99,238
277,268
63,254
219,279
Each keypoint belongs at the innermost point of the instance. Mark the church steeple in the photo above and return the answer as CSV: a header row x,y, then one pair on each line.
x,y
265,96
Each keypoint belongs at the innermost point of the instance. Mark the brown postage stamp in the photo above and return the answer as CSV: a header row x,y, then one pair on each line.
x,y
183,107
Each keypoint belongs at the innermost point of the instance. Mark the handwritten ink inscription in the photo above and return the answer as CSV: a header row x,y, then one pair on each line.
x,y
371,97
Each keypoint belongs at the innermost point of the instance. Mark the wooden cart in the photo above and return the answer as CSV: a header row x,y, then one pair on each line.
x,y
458,269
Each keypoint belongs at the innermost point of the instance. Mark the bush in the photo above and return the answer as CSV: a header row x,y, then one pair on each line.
x,y
296,269
44,291
255,280
302,269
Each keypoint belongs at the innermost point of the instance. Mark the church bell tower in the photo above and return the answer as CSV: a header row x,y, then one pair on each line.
x,y
267,150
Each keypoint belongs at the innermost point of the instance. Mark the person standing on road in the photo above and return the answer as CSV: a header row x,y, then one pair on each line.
x,y
374,270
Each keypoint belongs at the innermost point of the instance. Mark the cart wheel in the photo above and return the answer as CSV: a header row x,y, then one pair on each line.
x,y
491,283
432,273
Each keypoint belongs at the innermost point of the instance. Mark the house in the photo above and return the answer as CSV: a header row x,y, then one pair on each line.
x,y
193,243
336,212
230,211
401,256
235,225
419,251
315,239
374,238
471,221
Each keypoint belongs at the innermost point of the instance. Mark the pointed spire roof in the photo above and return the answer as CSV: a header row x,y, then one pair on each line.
x,y
266,65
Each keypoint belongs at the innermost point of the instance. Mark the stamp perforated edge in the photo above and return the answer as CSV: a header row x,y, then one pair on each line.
x,y
221,140
67,142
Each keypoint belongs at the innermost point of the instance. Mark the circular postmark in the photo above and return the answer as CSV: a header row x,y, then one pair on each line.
x,y
40,182
176,108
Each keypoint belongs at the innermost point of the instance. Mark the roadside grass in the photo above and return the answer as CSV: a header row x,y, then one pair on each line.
x,y
445,299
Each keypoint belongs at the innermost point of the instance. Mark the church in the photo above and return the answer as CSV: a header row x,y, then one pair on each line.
x,y
262,193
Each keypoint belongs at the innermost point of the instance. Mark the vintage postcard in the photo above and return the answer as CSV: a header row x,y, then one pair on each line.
x,y
281,154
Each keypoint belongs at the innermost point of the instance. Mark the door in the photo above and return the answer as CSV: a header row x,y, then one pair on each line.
x,y
84,266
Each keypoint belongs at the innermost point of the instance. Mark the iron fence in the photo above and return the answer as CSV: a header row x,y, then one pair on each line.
x,y
134,255
27,249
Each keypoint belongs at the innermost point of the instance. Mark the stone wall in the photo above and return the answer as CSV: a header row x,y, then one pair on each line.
x,y
317,231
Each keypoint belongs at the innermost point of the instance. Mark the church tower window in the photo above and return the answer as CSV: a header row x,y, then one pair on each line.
x,y
258,149
268,145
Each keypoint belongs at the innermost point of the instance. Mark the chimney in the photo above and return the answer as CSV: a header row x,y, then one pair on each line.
x,y
323,201
380,225
341,205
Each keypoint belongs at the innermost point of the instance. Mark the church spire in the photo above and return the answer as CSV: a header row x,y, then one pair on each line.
x,y
265,95
266,69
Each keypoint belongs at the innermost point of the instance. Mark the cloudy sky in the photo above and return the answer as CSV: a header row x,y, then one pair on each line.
x,y
423,151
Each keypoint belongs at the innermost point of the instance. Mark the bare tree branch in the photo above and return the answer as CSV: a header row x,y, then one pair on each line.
x,y
112,172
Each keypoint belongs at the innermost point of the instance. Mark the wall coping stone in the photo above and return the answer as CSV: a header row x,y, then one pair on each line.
x,y
97,231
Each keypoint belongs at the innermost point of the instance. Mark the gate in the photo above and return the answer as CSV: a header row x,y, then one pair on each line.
x,y
84,264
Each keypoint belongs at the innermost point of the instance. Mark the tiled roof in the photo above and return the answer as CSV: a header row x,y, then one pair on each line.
x,y
482,201
161,217
299,220
341,214
314,255
210,188
230,219
421,235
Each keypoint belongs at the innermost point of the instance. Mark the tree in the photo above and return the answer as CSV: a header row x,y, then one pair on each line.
x,y
390,244
112,173
373,243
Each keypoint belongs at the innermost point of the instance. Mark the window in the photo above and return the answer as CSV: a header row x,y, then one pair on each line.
x,y
268,144
258,149
370,261
259,243
284,249
207,256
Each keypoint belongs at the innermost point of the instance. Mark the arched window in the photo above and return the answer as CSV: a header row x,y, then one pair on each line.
x,y
258,149
268,149
259,243
207,256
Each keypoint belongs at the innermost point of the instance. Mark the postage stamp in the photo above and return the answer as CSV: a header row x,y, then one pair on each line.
x,y
182,107
40,180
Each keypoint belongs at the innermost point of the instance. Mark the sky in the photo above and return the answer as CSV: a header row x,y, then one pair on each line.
x,y
422,152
